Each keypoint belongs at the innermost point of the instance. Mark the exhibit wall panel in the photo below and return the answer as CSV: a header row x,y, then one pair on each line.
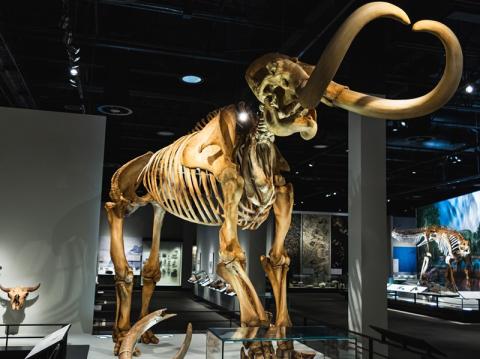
x,y
139,226
51,177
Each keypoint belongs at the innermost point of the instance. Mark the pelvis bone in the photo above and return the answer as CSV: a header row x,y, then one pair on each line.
x,y
18,295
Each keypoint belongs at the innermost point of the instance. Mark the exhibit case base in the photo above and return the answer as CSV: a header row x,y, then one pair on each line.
x,y
311,342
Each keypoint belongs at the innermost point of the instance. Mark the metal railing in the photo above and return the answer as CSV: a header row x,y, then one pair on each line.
x,y
8,336
369,345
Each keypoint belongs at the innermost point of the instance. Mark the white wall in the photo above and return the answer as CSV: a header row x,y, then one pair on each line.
x,y
50,190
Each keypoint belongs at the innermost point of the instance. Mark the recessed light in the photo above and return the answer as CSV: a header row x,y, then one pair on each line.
x,y
73,71
165,133
469,89
403,123
297,172
320,146
114,110
192,79
301,202
395,130
310,165
414,172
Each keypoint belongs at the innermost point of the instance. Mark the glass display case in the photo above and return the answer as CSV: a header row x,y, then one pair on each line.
x,y
313,281
322,341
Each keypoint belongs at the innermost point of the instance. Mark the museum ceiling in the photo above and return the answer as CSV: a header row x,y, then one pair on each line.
x,y
134,53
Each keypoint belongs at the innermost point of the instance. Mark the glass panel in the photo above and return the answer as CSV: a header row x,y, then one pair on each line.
x,y
214,346
280,333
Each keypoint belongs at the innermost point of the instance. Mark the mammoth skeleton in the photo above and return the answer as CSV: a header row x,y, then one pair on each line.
x,y
18,295
228,171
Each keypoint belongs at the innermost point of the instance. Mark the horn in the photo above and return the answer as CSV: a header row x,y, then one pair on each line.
x,y
376,107
332,57
5,289
33,289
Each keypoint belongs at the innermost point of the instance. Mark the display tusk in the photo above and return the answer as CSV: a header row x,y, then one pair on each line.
x,y
376,107
329,62
128,344
186,343
5,289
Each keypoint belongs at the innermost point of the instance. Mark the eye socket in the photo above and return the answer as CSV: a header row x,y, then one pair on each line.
x,y
285,82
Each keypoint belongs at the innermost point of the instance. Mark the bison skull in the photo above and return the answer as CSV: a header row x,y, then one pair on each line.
x,y
18,295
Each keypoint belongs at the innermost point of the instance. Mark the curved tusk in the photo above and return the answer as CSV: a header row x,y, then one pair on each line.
x,y
5,289
372,106
32,289
186,343
332,57
140,327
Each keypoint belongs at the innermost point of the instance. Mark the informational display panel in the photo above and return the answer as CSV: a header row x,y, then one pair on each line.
x,y
470,295
170,258
406,288
133,253
49,341
316,245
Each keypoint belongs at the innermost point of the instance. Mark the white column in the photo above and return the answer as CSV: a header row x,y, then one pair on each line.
x,y
367,224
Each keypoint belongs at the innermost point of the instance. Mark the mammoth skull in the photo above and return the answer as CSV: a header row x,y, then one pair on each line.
x,y
290,90
18,295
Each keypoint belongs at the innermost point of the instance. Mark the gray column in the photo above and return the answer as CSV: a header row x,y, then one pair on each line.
x,y
367,222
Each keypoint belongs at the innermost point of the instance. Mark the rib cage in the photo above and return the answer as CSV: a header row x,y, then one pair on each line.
x,y
192,194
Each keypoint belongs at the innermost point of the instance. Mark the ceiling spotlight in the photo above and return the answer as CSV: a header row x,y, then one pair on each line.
x,y
165,133
310,165
414,172
243,116
320,146
403,123
469,89
388,200
301,202
334,193
74,71
395,130
297,172
114,110
192,79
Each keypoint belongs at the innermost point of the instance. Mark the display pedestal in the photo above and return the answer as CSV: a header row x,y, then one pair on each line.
x,y
330,342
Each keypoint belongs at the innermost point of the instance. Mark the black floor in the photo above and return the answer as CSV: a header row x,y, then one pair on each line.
x,y
455,340
181,302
